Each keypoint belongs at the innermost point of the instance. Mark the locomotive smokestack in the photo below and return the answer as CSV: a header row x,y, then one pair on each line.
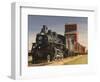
x,y
44,29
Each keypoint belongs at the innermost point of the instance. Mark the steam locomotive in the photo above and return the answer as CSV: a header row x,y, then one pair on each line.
x,y
49,45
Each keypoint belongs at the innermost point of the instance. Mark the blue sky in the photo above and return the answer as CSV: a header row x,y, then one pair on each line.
x,y
56,23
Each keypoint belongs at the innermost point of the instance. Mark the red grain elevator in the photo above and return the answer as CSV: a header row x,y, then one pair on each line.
x,y
71,36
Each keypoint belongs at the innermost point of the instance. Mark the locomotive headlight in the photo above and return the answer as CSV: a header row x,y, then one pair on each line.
x,y
40,38
39,47
33,47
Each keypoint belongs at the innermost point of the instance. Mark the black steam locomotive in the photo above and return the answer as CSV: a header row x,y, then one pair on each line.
x,y
49,46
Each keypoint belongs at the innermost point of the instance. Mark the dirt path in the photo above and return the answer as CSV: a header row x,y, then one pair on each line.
x,y
80,59
83,59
